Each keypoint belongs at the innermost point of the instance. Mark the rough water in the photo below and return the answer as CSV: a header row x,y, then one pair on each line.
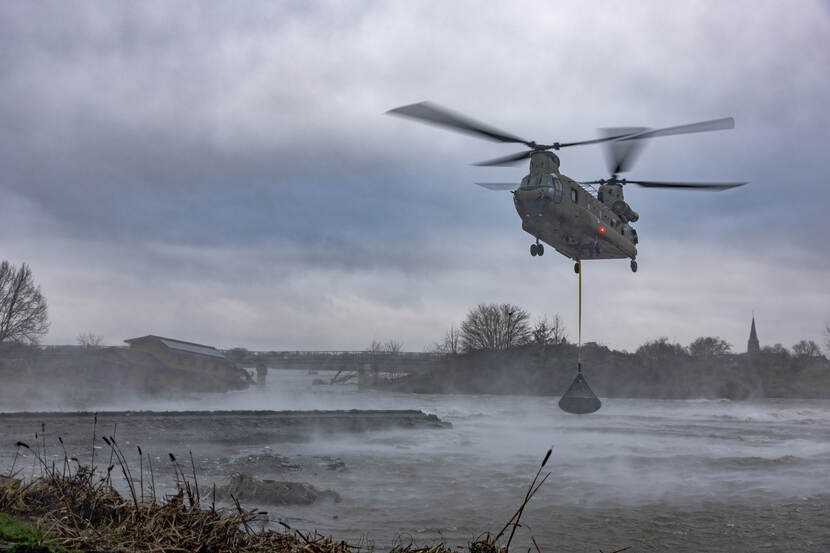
x,y
654,475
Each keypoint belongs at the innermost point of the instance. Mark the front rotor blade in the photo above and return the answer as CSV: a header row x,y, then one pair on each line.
x,y
499,185
506,160
437,115
620,155
704,126
592,141
714,186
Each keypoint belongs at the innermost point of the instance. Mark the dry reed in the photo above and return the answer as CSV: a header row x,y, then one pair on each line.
x,y
81,509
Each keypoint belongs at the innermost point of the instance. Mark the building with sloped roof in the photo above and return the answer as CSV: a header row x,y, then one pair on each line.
x,y
190,359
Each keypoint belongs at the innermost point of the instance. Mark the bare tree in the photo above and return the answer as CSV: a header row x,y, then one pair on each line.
x,y
389,346
550,332
827,343
384,362
807,348
393,346
495,327
23,316
707,346
559,333
90,340
451,343
542,335
375,347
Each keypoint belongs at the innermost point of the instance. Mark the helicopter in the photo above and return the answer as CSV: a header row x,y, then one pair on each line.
x,y
560,211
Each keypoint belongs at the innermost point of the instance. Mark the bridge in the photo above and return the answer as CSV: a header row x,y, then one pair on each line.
x,y
393,362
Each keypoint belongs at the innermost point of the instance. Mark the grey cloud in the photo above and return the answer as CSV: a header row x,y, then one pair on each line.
x,y
199,144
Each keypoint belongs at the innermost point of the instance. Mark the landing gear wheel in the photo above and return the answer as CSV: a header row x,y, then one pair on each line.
x,y
540,249
576,268
534,250
633,266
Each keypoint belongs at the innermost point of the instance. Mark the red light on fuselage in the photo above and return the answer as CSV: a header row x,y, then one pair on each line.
x,y
602,229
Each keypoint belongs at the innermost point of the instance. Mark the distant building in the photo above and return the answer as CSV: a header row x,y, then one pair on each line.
x,y
197,359
752,346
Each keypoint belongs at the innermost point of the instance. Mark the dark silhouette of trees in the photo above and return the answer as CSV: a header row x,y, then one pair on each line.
x,y
660,348
389,346
708,346
777,350
777,357
807,348
495,327
23,317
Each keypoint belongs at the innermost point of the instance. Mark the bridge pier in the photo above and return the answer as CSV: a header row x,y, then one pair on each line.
x,y
367,376
261,373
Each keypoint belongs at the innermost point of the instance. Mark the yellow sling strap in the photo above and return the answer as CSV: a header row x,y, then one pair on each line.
x,y
579,344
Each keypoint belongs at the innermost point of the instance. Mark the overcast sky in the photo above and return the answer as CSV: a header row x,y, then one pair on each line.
x,y
224,172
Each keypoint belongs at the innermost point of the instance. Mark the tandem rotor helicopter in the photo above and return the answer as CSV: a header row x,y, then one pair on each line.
x,y
556,209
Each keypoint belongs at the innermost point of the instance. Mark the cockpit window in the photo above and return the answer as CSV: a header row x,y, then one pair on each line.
x,y
545,181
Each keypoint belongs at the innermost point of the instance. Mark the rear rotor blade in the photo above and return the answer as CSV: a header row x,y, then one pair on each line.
x,y
704,126
714,186
437,115
499,185
506,160
620,155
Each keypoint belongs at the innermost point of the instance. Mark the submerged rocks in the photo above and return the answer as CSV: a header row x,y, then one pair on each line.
x,y
332,463
262,464
246,488
271,465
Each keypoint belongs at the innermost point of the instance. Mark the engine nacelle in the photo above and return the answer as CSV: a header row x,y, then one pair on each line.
x,y
624,211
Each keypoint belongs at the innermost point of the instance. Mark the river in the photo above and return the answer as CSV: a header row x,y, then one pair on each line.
x,y
655,475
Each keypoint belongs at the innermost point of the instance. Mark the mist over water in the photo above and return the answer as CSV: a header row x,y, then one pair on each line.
x,y
658,475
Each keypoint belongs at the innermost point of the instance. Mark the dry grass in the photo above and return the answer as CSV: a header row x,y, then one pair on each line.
x,y
78,506
82,512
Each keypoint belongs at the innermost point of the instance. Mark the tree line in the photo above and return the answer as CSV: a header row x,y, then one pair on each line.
x,y
497,327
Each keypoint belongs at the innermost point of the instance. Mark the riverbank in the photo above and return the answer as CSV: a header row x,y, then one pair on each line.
x,y
663,372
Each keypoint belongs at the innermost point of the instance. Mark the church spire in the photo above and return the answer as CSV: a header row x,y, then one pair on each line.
x,y
752,346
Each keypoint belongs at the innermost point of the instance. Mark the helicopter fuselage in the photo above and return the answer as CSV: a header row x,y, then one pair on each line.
x,y
556,210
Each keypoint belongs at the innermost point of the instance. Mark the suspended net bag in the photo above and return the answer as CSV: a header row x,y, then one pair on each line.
x,y
579,399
